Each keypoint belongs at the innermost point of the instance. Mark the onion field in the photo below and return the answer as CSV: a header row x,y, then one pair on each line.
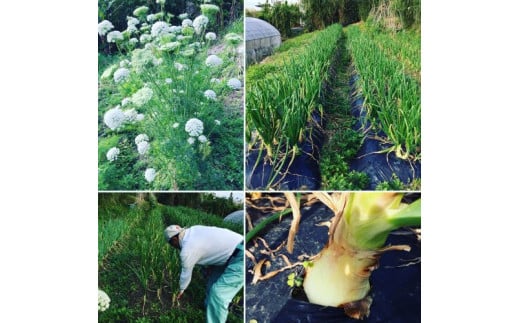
x,y
358,100
139,271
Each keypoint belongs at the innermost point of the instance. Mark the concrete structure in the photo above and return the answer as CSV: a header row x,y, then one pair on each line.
x,y
261,39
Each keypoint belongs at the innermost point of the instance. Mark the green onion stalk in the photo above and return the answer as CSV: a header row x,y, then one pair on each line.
x,y
339,276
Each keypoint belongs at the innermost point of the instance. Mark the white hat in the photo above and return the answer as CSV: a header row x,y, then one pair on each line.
x,y
172,231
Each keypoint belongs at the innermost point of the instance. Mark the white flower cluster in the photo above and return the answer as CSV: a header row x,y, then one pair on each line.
x,y
191,140
175,29
211,36
112,153
200,23
103,301
142,58
151,17
217,122
234,83
194,127
149,174
125,101
121,75
143,147
183,16
160,28
104,27
145,38
214,60
114,118
160,1
132,21
114,36
142,96
140,138
186,23
210,94
202,138
132,29
141,141
131,115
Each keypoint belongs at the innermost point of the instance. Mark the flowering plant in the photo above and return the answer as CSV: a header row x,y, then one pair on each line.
x,y
103,301
162,94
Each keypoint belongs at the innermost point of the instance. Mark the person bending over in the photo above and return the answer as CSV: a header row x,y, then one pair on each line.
x,y
220,248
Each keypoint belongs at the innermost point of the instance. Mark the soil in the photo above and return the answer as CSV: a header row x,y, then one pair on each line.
x,y
396,283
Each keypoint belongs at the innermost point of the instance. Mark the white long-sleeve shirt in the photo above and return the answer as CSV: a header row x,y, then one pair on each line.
x,y
203,245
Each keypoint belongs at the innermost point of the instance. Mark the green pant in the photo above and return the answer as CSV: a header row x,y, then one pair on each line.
x,y
224,283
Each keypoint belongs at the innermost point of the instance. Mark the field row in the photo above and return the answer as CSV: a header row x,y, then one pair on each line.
x,y
140,272
281,116
392,98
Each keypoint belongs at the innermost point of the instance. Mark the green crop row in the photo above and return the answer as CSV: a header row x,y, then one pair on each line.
x,y
141,276
392,98
111,230
279,105
404,46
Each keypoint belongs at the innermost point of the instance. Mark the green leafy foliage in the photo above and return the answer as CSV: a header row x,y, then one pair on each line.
x,y
140,274
280,106
167,84
283,16
391,96
395,184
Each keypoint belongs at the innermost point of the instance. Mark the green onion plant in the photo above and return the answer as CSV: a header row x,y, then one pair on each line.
x,y
339,275
279,105
392,97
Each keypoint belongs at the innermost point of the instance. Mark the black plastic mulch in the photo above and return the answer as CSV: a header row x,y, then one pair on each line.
x,y
396,290
380,167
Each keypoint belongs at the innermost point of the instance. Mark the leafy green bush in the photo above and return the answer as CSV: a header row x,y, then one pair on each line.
x,y
409,12
336,175
165,99
283,16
